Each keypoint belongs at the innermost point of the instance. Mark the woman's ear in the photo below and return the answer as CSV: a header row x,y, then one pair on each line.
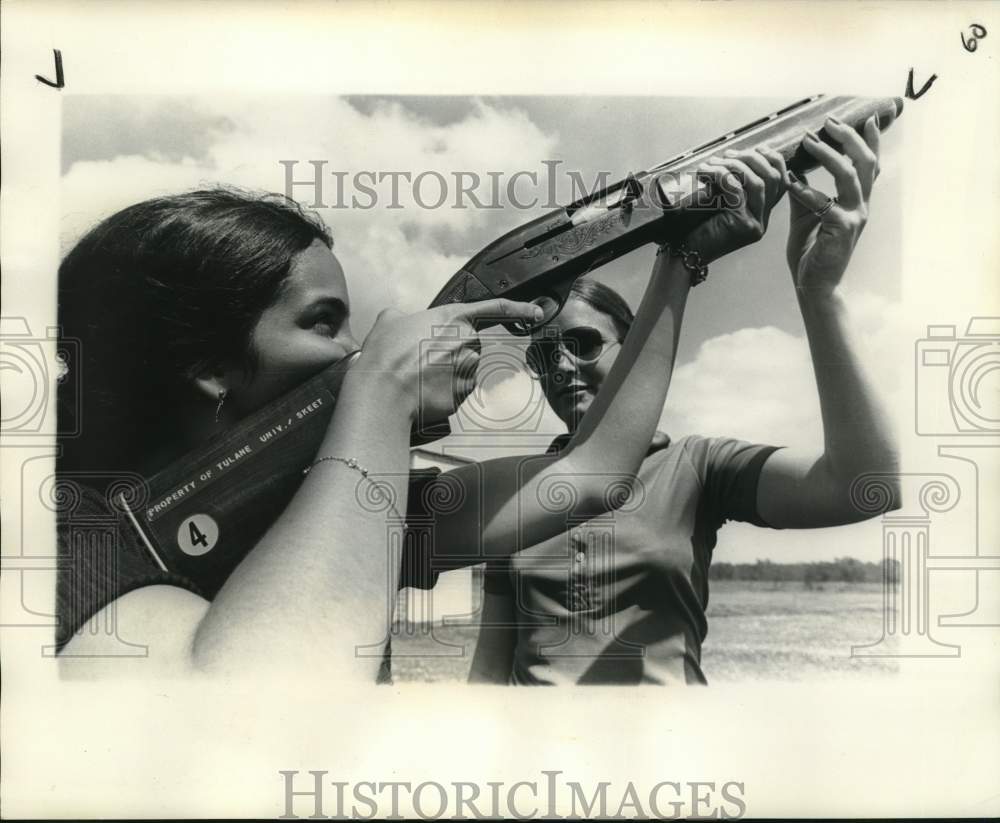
x,y
214,387
211,385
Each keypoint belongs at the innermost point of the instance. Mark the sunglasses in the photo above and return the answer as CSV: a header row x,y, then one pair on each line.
x,y
584,343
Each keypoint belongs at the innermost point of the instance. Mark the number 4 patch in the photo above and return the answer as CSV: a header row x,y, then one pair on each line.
x,y
198,534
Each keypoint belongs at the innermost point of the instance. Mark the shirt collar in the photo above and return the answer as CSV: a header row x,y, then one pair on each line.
x,y
660,441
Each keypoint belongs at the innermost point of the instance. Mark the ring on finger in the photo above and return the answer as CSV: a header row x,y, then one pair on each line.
x,y
829,204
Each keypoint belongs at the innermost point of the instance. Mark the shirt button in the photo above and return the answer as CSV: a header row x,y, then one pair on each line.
x,y
580,556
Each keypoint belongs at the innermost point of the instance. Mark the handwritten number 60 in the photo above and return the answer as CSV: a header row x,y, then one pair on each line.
x,y
978,33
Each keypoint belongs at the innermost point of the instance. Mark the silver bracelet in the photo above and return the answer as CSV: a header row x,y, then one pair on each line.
x,y
347,461
690,259
352,463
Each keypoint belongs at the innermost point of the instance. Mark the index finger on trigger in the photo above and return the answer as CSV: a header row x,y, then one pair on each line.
x,y
500,310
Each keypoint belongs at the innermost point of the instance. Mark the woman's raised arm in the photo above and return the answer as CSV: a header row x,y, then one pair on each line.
x,y
806,488
504,497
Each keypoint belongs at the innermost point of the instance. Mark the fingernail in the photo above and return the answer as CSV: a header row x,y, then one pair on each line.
x,y
538,313
811,135
795,178
715,159
730,152
833,119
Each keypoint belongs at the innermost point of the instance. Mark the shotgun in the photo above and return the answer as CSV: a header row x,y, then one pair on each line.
x,y
203,513
540,260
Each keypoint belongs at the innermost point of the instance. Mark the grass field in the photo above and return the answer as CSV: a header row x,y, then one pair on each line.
x,y
756,630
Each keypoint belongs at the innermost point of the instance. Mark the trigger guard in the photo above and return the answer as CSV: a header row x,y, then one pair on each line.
x,y
551,306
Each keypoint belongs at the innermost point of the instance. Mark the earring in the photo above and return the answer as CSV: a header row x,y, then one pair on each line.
x,y
222,399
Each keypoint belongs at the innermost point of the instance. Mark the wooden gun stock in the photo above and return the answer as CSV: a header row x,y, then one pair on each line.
x,y
204,512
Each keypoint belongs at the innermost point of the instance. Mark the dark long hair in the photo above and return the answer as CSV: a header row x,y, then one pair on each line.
x,y
157,294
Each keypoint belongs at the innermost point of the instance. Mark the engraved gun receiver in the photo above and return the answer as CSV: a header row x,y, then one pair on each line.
x,y
540,260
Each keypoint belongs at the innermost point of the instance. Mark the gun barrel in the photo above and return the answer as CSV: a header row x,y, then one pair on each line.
x,y
782,131
541,259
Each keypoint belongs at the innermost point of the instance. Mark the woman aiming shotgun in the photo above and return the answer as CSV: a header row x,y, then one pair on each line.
x,y
632,610
194,310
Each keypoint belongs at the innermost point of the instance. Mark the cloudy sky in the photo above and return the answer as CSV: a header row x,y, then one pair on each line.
x,y
743,364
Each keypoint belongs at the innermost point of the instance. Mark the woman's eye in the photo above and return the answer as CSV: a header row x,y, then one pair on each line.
x,y
326,327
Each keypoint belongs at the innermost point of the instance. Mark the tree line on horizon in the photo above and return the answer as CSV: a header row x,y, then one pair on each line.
x,y
840,570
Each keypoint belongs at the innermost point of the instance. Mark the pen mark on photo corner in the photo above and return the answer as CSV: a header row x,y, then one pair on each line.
x,y
60,80
978,33
916,95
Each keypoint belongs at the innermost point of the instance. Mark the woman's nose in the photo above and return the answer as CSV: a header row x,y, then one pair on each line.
x,y
349,343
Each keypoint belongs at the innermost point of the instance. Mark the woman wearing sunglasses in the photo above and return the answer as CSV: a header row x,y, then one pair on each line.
x,y
622,599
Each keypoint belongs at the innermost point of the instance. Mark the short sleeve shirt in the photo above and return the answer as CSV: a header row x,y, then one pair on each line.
x,y
621,598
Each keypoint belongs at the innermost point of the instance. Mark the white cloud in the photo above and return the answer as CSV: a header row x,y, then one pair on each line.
x,y
753,383
93,190
758,383
392,257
